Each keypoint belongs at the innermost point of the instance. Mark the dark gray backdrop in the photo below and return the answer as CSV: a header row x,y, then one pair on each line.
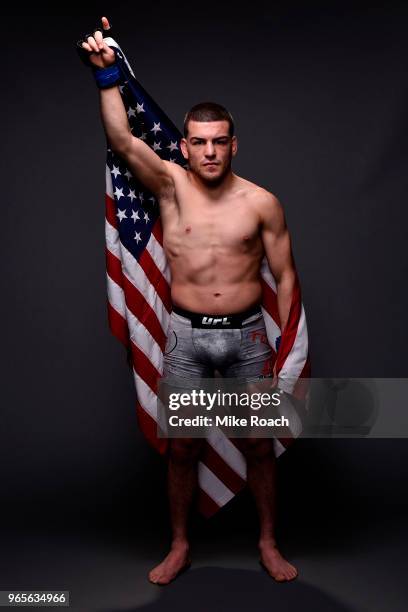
x,y
319,96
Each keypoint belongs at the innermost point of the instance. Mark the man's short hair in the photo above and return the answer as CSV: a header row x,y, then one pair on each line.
x,y
208,111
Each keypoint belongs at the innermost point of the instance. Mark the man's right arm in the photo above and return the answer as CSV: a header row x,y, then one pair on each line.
x,y
141,160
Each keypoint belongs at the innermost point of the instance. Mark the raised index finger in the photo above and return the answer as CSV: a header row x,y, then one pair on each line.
x,y
105,23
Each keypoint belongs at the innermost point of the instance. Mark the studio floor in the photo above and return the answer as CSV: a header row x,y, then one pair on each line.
x,y
105,569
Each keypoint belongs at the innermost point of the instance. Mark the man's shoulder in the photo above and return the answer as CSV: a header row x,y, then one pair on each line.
x,y
266,202
257,194
174,168
265,198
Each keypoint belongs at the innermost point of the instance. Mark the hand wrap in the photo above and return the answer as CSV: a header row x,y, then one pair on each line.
x,y
107,77
104,77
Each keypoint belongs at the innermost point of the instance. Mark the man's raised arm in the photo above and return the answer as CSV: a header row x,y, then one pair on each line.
x,y
144,163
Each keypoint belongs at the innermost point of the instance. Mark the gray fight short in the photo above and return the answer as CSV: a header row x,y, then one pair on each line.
x,y
200,344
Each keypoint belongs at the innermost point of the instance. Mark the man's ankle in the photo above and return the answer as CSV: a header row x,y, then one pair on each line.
x,y
267,542
180,543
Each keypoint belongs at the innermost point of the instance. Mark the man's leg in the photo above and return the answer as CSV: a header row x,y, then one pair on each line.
x,y
182,485
182,367
261,477
254,364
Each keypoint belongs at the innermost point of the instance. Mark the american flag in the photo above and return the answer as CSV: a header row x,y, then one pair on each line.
x,y
139,304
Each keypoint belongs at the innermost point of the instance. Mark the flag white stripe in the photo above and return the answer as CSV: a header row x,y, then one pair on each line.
x,y
108,181
297,356
267,275
278,447
112,43
146,397
156,252
272,330
213,486
138,333
228,451
116,296
136,276
112,239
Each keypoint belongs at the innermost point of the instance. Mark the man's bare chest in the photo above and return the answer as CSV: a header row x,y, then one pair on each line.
x,y
199,223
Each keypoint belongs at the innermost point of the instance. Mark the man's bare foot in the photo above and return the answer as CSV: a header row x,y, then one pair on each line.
x,y
176,561
276,566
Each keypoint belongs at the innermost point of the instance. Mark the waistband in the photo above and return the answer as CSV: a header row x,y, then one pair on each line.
x,y
224,321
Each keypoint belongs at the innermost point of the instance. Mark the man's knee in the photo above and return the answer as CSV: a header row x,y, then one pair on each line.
x,y
183,450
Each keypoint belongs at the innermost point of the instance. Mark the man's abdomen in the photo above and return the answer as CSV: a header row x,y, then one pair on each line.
x,y
217,298
217,280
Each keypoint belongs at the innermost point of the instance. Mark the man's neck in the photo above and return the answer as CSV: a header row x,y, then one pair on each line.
x,y
215,190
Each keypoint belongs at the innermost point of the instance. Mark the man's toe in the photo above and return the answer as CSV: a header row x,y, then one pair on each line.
x,y
153,577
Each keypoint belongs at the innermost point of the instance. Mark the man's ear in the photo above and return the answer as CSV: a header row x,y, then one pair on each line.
x,y
234,143
183,147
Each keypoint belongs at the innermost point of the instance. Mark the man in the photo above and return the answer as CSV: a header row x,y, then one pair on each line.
x,y
217,227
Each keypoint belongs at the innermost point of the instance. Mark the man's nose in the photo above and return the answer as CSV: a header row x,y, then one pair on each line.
x,y
209,149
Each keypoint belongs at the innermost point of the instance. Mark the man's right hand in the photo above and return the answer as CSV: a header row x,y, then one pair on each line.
x,y
100,55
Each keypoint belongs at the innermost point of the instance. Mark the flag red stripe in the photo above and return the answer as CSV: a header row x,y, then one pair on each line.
x,y
156,278
114,268
118,325
291,328
135,301
144,312
223,471
110,211
149,428
206,505
144,367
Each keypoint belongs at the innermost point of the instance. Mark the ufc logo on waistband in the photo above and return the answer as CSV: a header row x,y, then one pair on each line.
x,y
213,321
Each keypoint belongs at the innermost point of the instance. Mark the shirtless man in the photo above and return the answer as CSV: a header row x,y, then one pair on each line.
x,y
217,227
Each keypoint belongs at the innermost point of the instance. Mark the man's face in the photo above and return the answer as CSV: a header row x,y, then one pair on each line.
x,y
209,149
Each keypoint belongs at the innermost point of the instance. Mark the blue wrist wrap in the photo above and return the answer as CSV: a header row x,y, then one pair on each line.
x,y
107,77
